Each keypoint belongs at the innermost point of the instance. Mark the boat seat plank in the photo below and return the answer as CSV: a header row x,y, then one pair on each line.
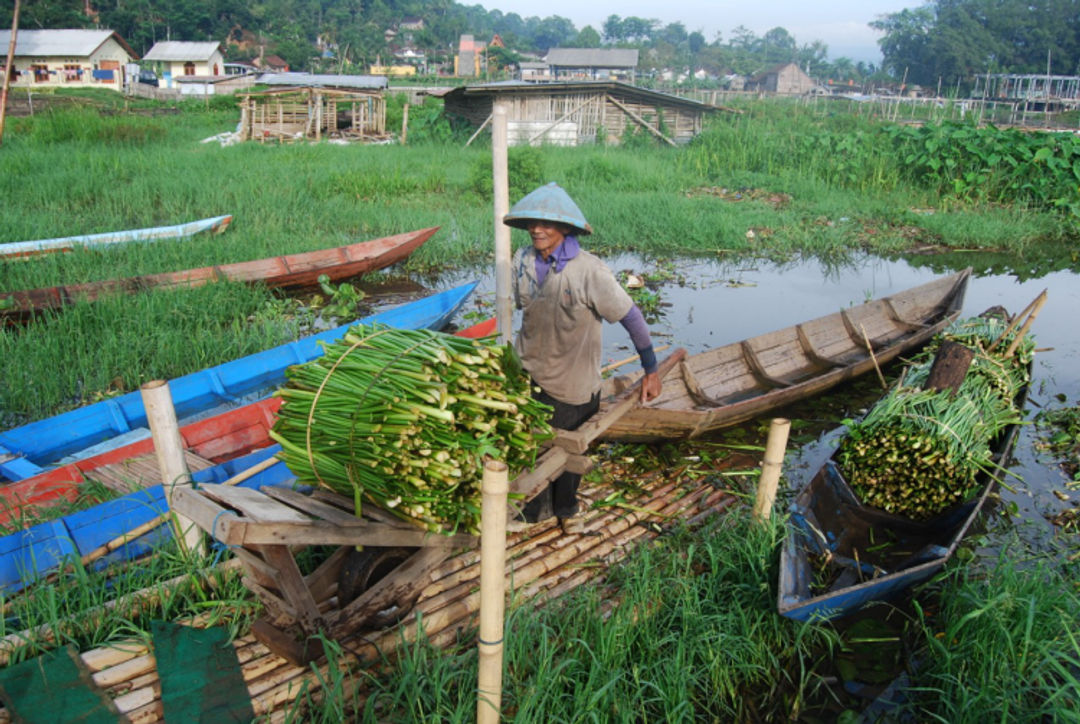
x,y
759,370
140,472
313,507
370,512
253,505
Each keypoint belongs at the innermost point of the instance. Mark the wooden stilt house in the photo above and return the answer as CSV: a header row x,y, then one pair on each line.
x,y
294,113
579,112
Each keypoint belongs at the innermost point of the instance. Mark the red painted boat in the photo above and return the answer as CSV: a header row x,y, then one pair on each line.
x,y
293,270
206,442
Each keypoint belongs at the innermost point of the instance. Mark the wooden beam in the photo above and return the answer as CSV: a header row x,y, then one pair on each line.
x,y
561,118
641,121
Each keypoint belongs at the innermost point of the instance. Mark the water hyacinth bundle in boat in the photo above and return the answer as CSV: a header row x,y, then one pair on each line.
x,y
406,418
918,451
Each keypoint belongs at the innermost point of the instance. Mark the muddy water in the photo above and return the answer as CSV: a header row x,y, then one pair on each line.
x,y
714,302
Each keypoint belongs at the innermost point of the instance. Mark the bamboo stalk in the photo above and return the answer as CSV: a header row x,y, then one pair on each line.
x,y
501,201
1016,320
628,360
771,466
873,358
1011,349
492,594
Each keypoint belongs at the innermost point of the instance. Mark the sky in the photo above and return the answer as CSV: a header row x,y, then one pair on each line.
x,y
841,24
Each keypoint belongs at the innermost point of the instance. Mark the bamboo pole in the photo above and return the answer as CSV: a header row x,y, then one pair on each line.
x,y
501,189
1026,326
477,132
873,358
405,124
1037,301
169,448
628,360
7,69
770,467
492,593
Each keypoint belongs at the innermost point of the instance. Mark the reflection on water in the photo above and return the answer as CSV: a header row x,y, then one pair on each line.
x,y
722,301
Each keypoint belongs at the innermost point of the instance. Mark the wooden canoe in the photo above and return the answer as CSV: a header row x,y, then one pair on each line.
x,y
872,555
28,449
293,270
214,224
744,380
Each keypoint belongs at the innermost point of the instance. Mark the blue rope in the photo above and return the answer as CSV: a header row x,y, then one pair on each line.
x,y
217,545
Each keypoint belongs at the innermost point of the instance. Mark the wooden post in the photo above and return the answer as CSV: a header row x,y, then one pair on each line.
x,y
950,367
770,467
501,187
492,592
405,124
1036,308
7,68
169,448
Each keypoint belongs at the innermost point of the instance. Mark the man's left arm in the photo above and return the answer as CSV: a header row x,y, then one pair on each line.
x,y
634,324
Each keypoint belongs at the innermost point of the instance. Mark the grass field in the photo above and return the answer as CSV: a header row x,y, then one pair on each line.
x,y
805,181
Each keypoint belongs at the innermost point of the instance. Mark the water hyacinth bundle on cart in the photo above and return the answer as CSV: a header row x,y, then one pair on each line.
x,y
919,451
406,418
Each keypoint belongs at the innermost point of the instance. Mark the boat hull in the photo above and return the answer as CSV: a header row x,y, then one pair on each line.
x,y
25,450
828,523
215,224
293,270
745,380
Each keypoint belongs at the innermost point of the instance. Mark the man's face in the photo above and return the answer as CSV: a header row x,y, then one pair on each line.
x,y
546,235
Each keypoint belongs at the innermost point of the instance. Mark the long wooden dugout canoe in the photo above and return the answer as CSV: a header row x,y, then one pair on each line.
x,y
215,224
293,270
743,380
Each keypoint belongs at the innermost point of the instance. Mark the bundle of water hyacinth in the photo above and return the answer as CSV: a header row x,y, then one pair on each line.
x,y
918,452
405,419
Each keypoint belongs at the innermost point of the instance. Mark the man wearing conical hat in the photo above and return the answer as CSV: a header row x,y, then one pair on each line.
x,y
565,294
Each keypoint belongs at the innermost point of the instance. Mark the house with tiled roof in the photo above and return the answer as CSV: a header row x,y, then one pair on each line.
x,y
67,58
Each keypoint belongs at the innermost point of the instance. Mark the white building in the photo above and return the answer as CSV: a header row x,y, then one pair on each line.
x,y
172,59
67,58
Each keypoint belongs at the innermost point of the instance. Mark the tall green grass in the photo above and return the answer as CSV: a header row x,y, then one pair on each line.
x,y
94,168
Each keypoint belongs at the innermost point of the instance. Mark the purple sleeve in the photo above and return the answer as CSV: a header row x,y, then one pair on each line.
x,y
634,324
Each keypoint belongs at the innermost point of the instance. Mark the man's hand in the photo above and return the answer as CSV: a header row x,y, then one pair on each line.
x,y
650,387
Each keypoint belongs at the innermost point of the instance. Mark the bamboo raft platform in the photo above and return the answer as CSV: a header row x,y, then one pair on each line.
x,y
542,564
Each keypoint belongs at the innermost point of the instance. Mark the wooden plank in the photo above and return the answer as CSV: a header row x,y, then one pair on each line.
x,y
277,606
286,646
369,511
222,524
253,504
550,465
323,580
256,567
313,507
293,589
400,587
317,532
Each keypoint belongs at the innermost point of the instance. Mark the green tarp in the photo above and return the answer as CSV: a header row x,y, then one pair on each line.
x,y
55,688
201,679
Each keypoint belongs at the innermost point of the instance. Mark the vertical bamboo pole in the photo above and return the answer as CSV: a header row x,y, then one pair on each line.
x,y
492,592
501,188
169,449
404,124
770,469
7,68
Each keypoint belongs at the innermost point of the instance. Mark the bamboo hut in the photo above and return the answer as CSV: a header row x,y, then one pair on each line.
x,y
313,113
579,112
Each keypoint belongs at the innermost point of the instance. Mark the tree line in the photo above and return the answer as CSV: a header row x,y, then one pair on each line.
x,y
939,42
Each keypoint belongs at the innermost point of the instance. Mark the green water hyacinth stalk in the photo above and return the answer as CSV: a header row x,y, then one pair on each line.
x,y
919,452
406,418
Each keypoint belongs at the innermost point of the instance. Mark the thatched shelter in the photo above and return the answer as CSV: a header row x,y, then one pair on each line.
x,y
291,113
579,112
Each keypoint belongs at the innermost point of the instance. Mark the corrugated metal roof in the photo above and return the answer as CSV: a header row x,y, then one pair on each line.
x,y
609,86
366,82
593,57
179,50
52,43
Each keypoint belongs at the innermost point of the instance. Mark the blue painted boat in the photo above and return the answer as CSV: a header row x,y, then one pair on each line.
x,y
25,450
215,224
29,554
866,554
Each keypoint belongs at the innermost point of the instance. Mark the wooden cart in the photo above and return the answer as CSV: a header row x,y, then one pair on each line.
x,y
351,589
